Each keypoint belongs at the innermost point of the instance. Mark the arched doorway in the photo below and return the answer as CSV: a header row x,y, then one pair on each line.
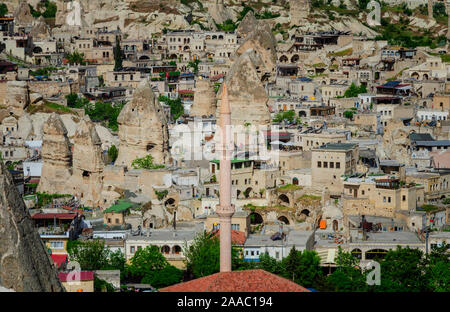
x,y
302,114
283,199
335,225
305,212
165,249
256,218
283,219
284,59
295,58
144,57
295,181
247,192
425,77
176,250
170,202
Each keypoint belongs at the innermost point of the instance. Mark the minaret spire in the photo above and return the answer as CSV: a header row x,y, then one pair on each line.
x,y
225,209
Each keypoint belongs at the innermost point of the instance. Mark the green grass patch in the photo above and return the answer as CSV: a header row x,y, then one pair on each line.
x,y
289,187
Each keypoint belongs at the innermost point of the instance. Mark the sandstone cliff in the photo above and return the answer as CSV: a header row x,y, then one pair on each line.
x,y
24,262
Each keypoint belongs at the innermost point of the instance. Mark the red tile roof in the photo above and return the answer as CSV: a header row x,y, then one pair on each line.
x,y
238,281
62,216
237,237
84,276
59,259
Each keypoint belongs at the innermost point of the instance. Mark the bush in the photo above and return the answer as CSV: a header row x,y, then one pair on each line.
x,y
3,9
113,152
145,163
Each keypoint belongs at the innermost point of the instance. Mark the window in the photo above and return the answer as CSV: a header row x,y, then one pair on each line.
x,y
384,199
252,253
109,220
338,165
235,227
331,164
325,164
132,249
319,164
277,255
57,245
139,247
389,199
404,197
117,221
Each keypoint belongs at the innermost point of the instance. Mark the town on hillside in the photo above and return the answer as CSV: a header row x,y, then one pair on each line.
x,y
224,145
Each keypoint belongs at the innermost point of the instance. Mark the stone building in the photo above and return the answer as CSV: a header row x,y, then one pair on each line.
x,y
331,161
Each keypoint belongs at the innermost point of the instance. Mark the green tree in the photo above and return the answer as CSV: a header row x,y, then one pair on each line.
x,y
117,55
147,260
176,106
50,9
348,114
91,255
75,58
302,267
362,4
202,258
194,65
288,115
271,265
102,111
227,26
113,152
167,276
347,277
145,163
353,90
3,9
402,270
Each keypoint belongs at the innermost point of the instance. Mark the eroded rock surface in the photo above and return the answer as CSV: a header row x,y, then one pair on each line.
x,y
143,128
24,262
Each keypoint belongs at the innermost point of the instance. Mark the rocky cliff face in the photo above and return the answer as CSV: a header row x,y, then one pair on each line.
x,y
24,262
56,156
246,93
263,42
204,99
143,128
22,14
17,97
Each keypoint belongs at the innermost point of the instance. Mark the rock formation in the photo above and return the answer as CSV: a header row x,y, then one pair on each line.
x,y
219,12
246,93
17,97
87,178
263,42
40,28
247,25
24,262
143,128
22,15
299,11
395,142
56,156
204,99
